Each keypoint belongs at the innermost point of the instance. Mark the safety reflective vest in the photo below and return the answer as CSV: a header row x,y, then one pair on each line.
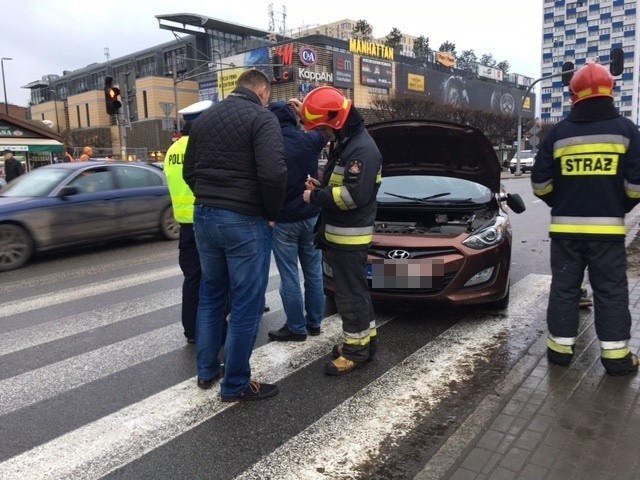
x,y
182,197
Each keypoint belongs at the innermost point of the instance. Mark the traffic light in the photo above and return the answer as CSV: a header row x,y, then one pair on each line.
x,y
111,95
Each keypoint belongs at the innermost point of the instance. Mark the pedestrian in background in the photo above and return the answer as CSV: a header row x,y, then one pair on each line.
x,y
293,233
348,201
588,171
12,166
68,155
87,152
235,166
182,202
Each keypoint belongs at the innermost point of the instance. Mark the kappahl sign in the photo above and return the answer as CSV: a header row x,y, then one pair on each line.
x,y
315,76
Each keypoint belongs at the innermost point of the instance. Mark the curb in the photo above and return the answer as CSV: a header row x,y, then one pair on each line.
x,y
468,433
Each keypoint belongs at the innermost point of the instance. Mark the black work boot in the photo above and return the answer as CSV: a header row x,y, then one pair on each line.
x,y
620,366
283,334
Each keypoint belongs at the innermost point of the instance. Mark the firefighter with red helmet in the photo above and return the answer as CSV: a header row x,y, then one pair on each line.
x,y
588,171
347,198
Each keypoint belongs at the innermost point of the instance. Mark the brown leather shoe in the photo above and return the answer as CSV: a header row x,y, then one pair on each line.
x,y
340,366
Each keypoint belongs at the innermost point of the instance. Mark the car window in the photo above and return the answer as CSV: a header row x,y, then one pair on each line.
x,y
93,180
136,177
37,183
422,186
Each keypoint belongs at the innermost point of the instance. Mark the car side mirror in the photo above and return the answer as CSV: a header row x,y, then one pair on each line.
x,y
515,203
68,190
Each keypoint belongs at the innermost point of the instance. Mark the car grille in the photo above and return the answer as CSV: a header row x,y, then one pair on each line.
x,y
414,253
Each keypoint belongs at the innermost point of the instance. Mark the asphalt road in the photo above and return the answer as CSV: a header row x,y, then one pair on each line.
x,y
97,381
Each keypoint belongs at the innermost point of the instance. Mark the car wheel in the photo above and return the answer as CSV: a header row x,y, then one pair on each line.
x,y
16,247
169,227
512,170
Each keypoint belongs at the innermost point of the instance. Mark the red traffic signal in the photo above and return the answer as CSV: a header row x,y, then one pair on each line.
x,y
111,95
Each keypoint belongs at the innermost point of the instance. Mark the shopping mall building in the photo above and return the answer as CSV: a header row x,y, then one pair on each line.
x,y
205,63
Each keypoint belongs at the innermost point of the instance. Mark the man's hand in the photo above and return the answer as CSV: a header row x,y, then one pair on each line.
x,y
312,183
306,196
297,105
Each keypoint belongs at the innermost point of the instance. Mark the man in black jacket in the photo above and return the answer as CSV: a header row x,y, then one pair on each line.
x,y
234,164
348,202
588,171
12,166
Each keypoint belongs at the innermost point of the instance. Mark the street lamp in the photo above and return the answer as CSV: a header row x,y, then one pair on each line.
x,y
4,85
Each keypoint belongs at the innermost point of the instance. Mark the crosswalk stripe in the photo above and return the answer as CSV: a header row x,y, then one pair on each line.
x,y
83,272
90,290
108,443
55,298
73,372
35,335
386,409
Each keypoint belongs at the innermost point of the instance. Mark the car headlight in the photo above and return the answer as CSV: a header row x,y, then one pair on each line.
x,y
489,236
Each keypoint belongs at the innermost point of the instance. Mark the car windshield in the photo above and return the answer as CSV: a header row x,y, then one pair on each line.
x,y
37,183
434,189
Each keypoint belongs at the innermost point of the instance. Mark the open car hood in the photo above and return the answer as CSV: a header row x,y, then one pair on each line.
x,y
430,147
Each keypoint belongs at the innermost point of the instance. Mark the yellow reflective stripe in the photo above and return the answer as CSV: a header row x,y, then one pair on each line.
x,y
556,347
348,239
591,229
591,148
373,332
544,188
336,179
337,198
356,341
617,354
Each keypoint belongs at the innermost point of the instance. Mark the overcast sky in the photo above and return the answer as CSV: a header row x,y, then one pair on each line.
x,y
49,36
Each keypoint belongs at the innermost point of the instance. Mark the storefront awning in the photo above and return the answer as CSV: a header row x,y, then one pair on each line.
x,y
31,145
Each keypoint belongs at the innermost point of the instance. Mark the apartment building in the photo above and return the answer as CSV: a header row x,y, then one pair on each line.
x,y
581,30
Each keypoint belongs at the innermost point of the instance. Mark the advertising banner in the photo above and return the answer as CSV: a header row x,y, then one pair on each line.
x,y
234,65
343,70
452,89
376,73
490,72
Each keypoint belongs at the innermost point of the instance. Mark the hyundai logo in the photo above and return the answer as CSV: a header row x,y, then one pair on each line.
x,y
398,254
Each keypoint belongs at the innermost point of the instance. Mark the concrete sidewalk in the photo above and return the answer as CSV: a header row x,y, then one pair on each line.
x,y
549,422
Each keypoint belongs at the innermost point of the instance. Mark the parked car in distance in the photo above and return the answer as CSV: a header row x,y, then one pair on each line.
x,y
527,158
442,232
71,204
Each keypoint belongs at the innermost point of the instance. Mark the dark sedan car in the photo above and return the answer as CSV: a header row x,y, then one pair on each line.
x,y
70,204
442,232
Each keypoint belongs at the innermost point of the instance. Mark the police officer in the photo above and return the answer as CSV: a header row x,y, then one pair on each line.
x,y
182,200
347,199
588,171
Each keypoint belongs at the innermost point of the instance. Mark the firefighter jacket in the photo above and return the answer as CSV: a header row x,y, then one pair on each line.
x,y
348,194
588,171
182,197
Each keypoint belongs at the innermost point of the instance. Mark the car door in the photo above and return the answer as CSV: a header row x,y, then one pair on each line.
x,y
89,214
142,196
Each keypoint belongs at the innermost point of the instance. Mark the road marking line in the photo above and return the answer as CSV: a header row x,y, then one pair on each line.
x,y
352,434
97,288
106,444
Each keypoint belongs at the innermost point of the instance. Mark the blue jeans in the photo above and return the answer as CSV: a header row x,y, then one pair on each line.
x,y
293,241
235,252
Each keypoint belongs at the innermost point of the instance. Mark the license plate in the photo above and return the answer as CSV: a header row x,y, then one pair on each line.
x,y
418,274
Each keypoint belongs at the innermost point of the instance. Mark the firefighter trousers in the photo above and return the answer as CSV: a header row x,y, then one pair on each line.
x,y
607,264
353,302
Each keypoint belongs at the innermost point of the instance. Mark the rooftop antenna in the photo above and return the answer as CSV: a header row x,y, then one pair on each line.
x,y
106,53
282,25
